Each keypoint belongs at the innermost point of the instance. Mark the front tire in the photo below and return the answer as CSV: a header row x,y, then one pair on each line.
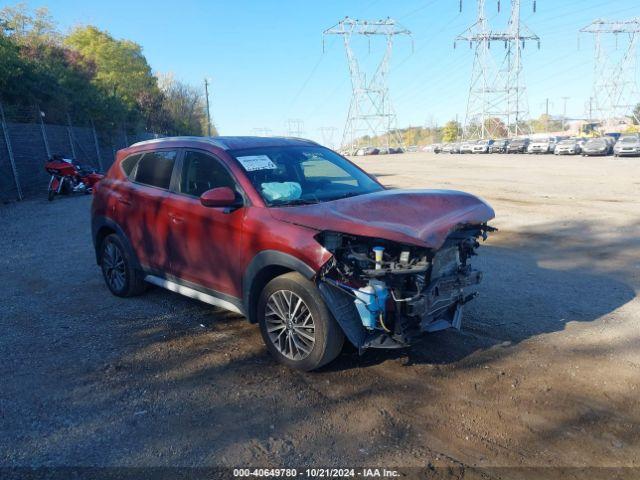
x,y
122,279
296,325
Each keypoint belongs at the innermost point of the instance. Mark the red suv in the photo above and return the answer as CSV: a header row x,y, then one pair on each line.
x,y
291,235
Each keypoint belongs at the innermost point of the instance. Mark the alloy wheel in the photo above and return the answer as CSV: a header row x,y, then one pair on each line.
x,y
290,324
114,267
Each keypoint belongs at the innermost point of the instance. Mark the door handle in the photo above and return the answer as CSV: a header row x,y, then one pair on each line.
x,y
175,219
124,201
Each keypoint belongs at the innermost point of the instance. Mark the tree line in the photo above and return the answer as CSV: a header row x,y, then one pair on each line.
x,y
92,75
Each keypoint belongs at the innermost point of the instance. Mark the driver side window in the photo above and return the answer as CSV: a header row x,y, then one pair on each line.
x,y
202,172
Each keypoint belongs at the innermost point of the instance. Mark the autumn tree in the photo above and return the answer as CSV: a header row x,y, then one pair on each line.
x,y
91,75
184,107
450,131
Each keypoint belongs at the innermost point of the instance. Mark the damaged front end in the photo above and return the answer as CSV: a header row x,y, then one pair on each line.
x,y
385,294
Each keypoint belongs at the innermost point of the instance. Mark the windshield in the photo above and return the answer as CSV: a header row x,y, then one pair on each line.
x,y
596,141
629,139
567,142
297,175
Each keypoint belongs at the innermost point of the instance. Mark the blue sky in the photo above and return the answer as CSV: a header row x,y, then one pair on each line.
x,y
266,64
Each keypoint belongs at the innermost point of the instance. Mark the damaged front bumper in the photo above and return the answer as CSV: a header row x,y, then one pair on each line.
x,y
440,306
423,297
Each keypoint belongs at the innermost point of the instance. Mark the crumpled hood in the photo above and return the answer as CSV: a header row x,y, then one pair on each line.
x,y
417,217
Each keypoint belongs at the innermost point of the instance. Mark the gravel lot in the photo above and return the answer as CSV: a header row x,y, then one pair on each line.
x,y
546,371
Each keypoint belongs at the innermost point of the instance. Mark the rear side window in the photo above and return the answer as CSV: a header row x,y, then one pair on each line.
x,y
129,163
155,168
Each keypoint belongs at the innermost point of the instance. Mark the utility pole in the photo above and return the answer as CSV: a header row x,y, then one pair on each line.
x,y
370,110
614,79
546,116
497,92
206,94
564,111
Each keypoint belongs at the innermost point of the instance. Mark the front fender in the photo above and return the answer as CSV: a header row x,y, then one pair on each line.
x,y
268,259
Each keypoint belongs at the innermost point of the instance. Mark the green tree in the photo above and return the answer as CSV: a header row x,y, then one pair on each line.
x,y
120,67
90,75
184,109
450,131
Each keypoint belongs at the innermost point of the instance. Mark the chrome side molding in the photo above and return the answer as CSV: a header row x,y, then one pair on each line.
x,y
191,293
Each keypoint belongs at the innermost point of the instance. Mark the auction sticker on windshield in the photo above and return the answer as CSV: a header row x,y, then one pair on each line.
x,y
252,163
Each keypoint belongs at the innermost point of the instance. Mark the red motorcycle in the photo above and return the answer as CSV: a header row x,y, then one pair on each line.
x,y
69,176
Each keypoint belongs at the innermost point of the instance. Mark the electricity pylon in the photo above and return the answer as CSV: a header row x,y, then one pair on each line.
x,y
262,131
328,136
615,83
370,111
497,103
295,127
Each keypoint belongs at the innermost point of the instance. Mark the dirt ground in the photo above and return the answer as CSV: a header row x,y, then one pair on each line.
x,y
546,371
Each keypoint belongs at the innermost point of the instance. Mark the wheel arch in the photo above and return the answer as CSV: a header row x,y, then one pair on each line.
x,y
263,268
101,227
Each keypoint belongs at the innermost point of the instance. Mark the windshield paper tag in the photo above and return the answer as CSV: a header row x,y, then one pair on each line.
x,y
256,162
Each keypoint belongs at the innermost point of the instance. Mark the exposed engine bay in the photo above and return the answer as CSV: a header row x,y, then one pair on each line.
x,y
385,294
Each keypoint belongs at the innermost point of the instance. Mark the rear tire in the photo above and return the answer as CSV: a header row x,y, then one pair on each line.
x,y
296,325
122,279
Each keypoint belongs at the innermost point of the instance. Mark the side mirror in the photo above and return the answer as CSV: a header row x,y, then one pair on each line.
x,y
219,197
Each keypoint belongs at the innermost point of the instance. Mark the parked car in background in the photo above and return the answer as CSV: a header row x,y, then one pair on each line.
x,y
519,145
396,150
455,148
367,151
499,146
597,146
467,147
627,145
412,148
482,146
446,148
542,145
570,146
290,235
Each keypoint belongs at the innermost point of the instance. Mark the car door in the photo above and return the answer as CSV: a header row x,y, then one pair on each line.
x,y
143,208
205,243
